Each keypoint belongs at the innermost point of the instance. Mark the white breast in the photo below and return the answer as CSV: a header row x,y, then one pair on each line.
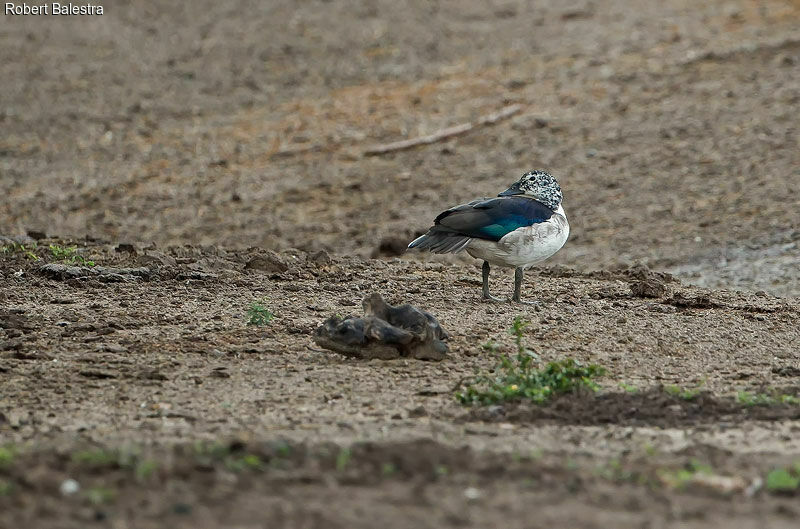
x,y
524,246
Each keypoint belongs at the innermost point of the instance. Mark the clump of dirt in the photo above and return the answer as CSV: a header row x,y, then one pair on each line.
x,y
648,288
385,332
654,407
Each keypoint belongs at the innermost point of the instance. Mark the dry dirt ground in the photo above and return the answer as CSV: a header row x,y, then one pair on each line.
x,y
207,155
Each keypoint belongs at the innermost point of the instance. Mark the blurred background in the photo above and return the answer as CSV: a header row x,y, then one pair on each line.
x,y
672,125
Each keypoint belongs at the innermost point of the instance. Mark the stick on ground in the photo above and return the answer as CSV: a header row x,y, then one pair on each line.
x,y
443,134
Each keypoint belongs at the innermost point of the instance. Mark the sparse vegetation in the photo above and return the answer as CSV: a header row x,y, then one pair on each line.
x,y
783,480
69,255
7,454
144,469
614,470
683,393
258,314
680,478
100,495
747,398
97,457
209,454
519,378
14,248
342,459
240,463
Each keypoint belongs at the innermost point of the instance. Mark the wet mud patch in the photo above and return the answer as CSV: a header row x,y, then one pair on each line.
x,y
654,407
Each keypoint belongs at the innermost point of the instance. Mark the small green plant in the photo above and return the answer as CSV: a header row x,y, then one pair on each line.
x,y
784,481
69,255
244,462
97,458
16,247
747,398
342,459
7,455
680,478
683,393
628,388
258,314
490,347
100,495
208,453
282,449
144,469
614,471
388,469
518,378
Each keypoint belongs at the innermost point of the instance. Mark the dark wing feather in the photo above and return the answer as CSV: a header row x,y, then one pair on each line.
x,y
493,218
488,218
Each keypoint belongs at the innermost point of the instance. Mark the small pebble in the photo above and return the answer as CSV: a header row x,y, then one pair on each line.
x,y
471,493
69,487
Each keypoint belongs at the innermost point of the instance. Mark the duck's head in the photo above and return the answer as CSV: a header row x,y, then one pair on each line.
x,y
538,185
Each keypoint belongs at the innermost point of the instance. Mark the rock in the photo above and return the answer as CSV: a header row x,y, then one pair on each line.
x,y
320,258
385,332
419,411
648,288
269,262
212,265
125,247
220,372
195,275
13,320
62,272
702,301
157,259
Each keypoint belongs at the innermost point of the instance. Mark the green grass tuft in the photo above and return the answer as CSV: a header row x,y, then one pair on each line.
x,y
783,481
69,255
342,459
518,377
100,495
258,314
15,247
680,478
7,455
683,393
97,457
747,398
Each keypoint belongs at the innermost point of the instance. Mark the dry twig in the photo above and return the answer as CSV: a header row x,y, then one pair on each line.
x,y
443,134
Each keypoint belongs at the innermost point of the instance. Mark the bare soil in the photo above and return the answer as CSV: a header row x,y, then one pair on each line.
x,y
207,157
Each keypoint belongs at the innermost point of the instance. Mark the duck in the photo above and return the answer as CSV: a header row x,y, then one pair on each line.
x,y
523,226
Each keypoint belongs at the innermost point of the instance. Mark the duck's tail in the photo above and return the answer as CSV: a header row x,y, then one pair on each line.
x,y
441,241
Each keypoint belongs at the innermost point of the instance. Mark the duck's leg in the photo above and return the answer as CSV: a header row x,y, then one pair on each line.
x,y
518,288
486,294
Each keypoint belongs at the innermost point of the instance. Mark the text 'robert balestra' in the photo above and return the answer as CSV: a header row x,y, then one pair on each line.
x,y
53,8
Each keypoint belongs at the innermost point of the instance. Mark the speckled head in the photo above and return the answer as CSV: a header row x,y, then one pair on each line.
x,y
537,185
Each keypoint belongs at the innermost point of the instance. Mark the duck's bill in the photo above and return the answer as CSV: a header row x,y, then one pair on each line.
x,y
511,191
